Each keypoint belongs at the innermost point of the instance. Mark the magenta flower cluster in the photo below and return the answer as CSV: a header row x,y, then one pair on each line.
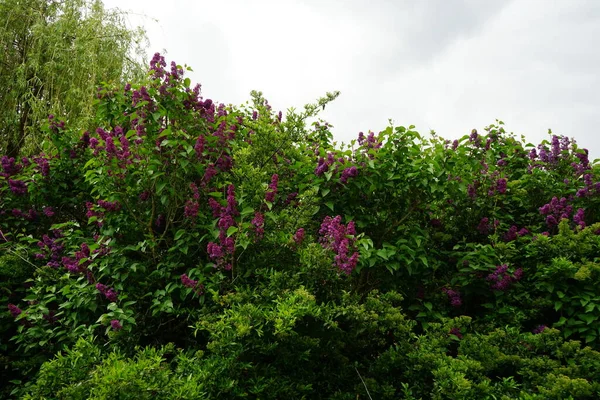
x,y
501,280
299,236
226,246
116,325
192,284
259,224
272,189
341,240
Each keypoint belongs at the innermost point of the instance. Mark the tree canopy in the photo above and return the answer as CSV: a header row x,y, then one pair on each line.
x,y
54,54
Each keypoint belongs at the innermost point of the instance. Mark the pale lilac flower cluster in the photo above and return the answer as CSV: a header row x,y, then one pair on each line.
x,y
341,240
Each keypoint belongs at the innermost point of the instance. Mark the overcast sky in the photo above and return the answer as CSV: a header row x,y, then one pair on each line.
x,y
446,65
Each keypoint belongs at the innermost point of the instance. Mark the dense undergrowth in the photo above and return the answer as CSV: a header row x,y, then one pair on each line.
x,y
188,249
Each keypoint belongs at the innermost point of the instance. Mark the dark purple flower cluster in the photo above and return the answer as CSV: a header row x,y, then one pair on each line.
x,y
43,165
110,293
472,190
192,284
453,297
475,138
14,310
514,232
55,126
341,240
579,218
80,262
501,280
17,187
539,329
30,215
259,224
485,226
192,206
226,245
272,190
51,249
590,188
350,172
556,210
9,167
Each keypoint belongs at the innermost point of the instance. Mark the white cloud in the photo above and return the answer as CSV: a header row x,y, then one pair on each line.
x,y
445,65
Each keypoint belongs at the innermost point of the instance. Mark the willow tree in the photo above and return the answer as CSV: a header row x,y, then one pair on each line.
x,y
53,55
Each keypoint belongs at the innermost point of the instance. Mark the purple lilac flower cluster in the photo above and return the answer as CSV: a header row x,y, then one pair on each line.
x,y
18,187
369,143
226,246
259,224
272,189
108,292
14,310
9,166
299,236
514,232
116,325
43,165
192,284
341,240
453,297
350,172
99,209
556,210
484,227
579,218
80,262
501,280
51,249
590,188
192,206
475,138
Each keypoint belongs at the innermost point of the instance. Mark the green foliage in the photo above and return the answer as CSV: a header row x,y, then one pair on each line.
x,y
214,251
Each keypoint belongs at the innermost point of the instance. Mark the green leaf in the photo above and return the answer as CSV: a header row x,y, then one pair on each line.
x,y
231,230
179,234
329,205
